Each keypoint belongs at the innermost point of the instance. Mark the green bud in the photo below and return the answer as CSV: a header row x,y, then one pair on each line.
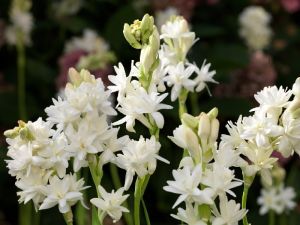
x,y
190,121
12,133
193,144
130,37
213,113
77,78
146,28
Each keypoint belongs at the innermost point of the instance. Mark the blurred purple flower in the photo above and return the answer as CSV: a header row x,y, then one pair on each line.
x,y
70,60
291,5
246,82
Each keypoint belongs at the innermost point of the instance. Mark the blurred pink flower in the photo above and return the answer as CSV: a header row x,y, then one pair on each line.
x,y
246,82
281,160
291,5
70,60
185,7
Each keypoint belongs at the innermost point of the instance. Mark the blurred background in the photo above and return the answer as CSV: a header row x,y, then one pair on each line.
x,y
88,34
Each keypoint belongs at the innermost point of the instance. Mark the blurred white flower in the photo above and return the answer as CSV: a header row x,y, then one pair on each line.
x,y
277,199
255,29
162,16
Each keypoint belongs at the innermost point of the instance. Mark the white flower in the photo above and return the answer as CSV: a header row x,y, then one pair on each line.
x,y
61,192
138,102
176,28
55,155
229,214
120,80
203,75
220,179
234,138
290,140
227,156
89,42
272,100
190,215
179,77
162,16
112,145
260,129
139,157
33,186
86,139
287,197
111,203
186,184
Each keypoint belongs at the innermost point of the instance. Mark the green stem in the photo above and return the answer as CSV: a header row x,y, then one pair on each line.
x,y
181,101
25,212
146,213
21,79
117,184
68,218
36,217
137,200
247,183
271,217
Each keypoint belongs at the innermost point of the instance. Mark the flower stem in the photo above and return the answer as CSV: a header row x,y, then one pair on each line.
x,y
68,216
247,183
137,200
117,184
25,212
181,100
21,60
271,217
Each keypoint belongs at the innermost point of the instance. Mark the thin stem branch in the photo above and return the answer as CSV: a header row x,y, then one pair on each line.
x,y
137,200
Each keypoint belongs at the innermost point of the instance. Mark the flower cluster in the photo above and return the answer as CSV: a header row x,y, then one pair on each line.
x,y
22,23
255,29
204,174
178,40
272,127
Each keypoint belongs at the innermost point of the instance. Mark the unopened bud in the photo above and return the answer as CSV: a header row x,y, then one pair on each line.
x,y
190,120
213,113
192,144
130,38
296,88
214,133
204,127
146,28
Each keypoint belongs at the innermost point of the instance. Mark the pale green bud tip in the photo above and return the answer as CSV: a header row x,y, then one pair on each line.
x,y
130,37
12,133
190,120
214,133
77,78
296,88
204,126
213,113
138,33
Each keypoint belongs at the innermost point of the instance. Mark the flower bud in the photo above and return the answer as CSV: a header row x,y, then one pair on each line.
x,y
130,38
146,29
214,133
192,144
296,88
204,127
190,121
213,113
77,78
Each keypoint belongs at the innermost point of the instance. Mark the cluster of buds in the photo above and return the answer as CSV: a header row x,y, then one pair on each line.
x,y
144,35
